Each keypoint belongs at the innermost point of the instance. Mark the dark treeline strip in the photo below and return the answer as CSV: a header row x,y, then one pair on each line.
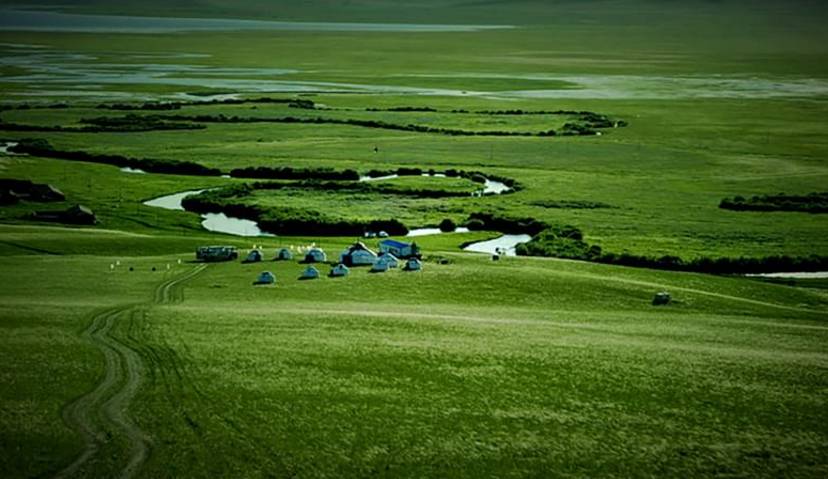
x,y
575,130
369,188
42,148
133,122
38,106
105,125
289,173
492,222
810,203
567,242
405,109
177,105
571,204
285,220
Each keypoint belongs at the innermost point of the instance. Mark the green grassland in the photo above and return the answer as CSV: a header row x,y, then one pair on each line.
x,y
523,367
120,351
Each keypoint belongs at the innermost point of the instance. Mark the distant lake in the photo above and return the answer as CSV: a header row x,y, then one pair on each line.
x,y
36,20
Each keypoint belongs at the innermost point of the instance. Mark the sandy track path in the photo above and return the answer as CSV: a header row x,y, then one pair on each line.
x,y
102,414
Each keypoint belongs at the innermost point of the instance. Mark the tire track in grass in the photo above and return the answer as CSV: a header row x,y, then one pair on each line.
x,y
103,412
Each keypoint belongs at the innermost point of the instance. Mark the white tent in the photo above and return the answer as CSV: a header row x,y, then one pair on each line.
x,y
265,278
315,255
310,273
283,254
254,256
357,255
339,271
413,264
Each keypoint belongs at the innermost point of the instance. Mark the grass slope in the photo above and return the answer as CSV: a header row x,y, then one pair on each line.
x,y
522,367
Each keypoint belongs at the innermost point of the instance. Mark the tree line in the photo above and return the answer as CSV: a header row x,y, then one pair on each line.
x,y
42,148
810,203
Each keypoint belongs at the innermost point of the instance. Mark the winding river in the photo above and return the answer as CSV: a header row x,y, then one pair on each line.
x,y
215,222
221,223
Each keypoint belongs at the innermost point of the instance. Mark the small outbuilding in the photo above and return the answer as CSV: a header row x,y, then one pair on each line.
x,y
283,254
254,256
389,259
413,264
315,255
266,277
339,271
310,273
662,298
216,253
357,255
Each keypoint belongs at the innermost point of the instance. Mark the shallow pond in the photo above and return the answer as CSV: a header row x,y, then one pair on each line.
x,y
215,222
489,187
793,275
433,231
4,148
505,244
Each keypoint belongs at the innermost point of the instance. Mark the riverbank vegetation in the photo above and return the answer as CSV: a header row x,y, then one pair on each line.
x,y
810,203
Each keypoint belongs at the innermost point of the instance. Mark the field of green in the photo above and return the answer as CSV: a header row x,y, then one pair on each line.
x,y
122,357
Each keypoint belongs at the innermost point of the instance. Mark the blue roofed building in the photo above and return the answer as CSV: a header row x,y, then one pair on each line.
x,y
399,249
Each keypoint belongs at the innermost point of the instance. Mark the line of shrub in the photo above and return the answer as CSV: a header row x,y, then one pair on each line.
x,y
365,188
289,173
128,124
286,220
592,118
132,122
810,203
42,148
177,105
490,221
567,242
571,131
571,204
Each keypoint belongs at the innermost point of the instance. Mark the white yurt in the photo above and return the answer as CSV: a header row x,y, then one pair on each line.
x,y
413,264
357,255
315,255
339,270
266,277
310,273
254,256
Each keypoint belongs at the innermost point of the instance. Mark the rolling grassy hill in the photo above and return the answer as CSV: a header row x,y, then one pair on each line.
x,y
123,358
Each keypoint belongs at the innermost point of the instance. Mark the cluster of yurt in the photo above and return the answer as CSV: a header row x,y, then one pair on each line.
x,y
357,254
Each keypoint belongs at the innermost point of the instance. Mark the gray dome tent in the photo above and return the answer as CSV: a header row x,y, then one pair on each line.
x,y
310,273
315,255
413,264
339,270
266,277
254,256
283,254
